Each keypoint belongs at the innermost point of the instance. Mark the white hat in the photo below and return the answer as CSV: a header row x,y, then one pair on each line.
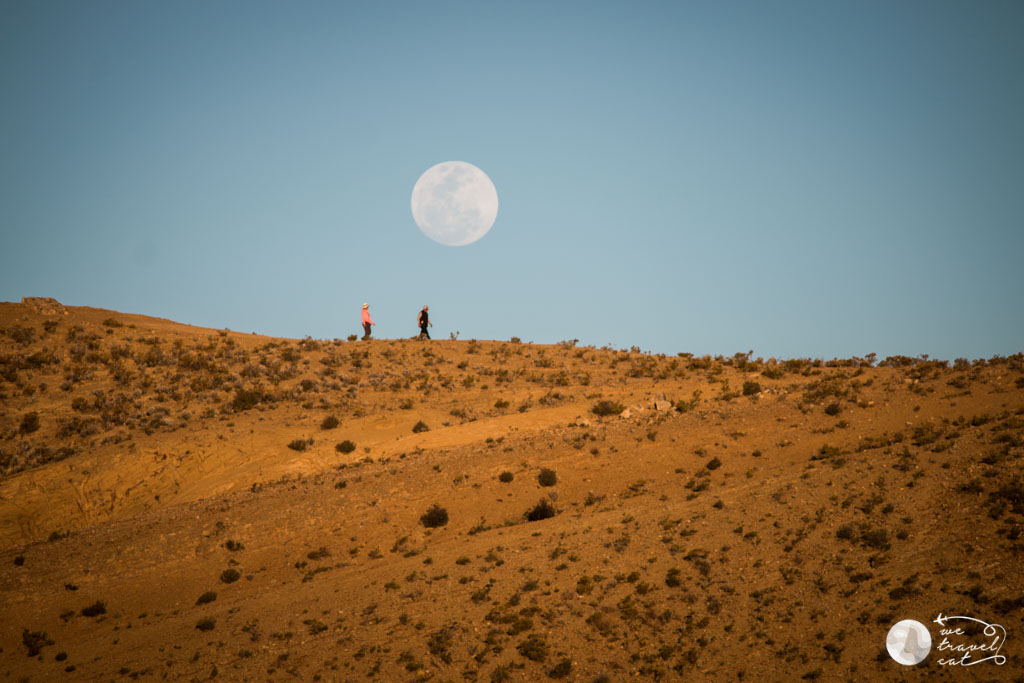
x,y
366,305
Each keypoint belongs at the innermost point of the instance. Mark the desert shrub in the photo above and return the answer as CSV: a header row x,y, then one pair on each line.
x,y
330,422
547,477
22,335
95,609
345,446
246,399
603,408
542,510
315,626
505,477
206,624
319,554
534,648
352,337
300,444
751,388
439,644
230,575
406,404
672,578
714,463
832,409
561,670
29,423
501,404
208,596
875,538
233,546
420,426
111,322
69,427
434,517
35,641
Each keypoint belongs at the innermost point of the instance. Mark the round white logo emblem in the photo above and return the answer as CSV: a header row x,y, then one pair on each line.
x,y
909,642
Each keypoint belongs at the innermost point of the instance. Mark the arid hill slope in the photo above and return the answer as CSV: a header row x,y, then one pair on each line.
x,y
186,503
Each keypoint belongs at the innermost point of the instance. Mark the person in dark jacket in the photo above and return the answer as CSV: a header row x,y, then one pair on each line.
x,y
423,321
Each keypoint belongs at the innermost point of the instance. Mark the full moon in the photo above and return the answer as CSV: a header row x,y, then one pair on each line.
x,y
454,203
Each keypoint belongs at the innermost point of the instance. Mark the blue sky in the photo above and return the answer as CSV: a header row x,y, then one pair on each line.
x,y
797,178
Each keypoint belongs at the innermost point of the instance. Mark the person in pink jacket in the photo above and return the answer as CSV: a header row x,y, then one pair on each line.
x,y
366,321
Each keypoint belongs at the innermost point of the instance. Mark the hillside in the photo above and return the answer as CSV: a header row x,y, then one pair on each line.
x,y
188,503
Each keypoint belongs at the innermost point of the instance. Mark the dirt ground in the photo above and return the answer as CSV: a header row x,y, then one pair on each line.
x,y
188,503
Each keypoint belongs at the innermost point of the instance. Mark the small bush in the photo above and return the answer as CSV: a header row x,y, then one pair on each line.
x,y
501,404
420,426
230,575
299,444
561,670
319,554
603,408
542,510
714,463
505,477
330,422
672,578
95,609
751,388
832,409
547,477
208,596
233,546
434,517
534,648
246,399
206,624
345,446
29,423
35,641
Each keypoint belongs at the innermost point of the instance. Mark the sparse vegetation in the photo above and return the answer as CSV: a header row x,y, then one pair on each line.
x,y
207,597
547,477
230,575
690,528
35,641
95,609
542,510
435,516
606,408
29,423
